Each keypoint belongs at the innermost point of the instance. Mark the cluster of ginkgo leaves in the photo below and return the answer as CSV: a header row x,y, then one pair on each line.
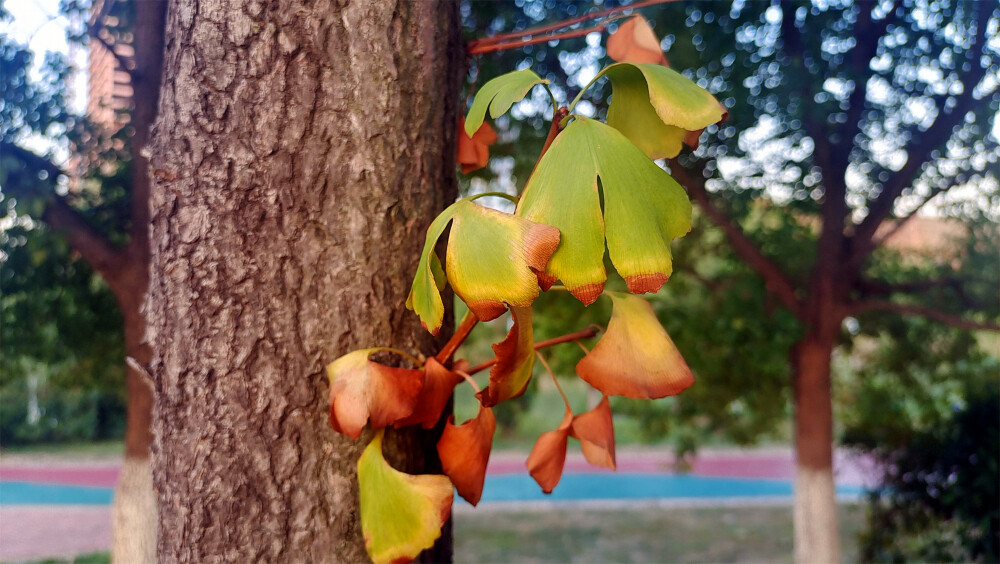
x,y
595,188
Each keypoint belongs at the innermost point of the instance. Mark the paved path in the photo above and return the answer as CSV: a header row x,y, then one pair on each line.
x,y
61,508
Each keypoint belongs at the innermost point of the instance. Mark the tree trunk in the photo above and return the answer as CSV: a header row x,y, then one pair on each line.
x,y
815,515
300,152
134,513
134,510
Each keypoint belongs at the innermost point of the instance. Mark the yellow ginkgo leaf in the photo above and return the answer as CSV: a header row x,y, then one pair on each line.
x,y
635,358
401,514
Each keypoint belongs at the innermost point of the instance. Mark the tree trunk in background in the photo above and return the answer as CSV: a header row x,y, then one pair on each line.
x,y
134,512
300,152
815,513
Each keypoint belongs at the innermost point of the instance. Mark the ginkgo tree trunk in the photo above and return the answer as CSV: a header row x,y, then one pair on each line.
x,y
300,152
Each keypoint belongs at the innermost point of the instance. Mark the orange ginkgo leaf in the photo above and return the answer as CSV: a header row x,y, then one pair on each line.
x,y
636,42
548,456
515,360
465,451
439,383
596,432
474,152
635,358
362,390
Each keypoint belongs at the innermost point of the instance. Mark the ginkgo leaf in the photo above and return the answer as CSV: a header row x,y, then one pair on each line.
x,y
491,261
474,151
362,390
515,360
635,358
635,42
401,514
657,108
596,432
439,383
548,456
644,209
465,451
498,95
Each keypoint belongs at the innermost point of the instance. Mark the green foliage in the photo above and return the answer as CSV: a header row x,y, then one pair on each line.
x,y
938,501
61,343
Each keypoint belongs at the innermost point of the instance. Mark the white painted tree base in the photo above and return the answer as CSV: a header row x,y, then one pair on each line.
x,y
816,537
134,518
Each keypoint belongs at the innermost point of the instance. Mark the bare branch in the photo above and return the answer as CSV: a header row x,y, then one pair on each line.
x,y
774,278
62,217
923,311
935,136
877,241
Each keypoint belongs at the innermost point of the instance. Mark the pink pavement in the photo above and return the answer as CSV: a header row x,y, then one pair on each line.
x,y
30,532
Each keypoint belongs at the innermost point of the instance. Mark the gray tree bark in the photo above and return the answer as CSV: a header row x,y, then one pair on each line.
x,y
300,151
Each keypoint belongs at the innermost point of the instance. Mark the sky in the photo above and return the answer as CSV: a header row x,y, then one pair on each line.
x,y
39,24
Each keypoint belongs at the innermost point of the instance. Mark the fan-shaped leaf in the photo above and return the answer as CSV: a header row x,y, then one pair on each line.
x,y
657,107
498,95
596,432
465,452
644,209
515,360
548,456
474,151
363,391
635,358
491,261
401,514
635,42
439,383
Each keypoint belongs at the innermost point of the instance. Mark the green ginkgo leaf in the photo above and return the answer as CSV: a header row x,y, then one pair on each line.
x,y
401,514
491,262
498,95
644,210
656,107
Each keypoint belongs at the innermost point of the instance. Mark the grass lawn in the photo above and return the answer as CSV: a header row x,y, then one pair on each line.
x,y
733,534
74,451
710,534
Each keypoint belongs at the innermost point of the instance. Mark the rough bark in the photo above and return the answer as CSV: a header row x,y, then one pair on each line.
x,y
300,152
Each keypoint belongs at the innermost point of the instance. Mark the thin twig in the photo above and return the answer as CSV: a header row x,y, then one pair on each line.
x,y
585,334
516,35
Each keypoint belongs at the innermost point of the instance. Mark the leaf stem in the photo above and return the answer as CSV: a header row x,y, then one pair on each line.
x,y
468,378
568,338
495,194
579,95
554,380
468,323
407,356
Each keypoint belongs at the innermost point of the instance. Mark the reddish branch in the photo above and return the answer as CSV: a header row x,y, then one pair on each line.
x,y
551,32
774,278
569,338
923,311
468,324
480,49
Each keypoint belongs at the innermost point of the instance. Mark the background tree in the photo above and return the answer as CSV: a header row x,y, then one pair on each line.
x,y
106,224
851,117
855,124
300,153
